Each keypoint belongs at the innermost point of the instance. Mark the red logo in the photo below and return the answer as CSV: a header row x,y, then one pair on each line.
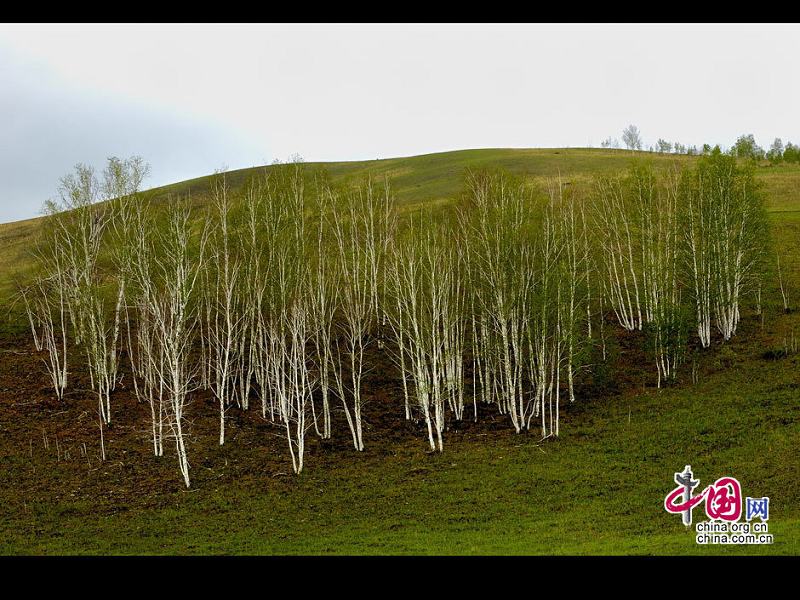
x,y
723,498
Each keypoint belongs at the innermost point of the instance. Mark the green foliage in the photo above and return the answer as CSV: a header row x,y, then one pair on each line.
x,y
791,153
775,154
746,147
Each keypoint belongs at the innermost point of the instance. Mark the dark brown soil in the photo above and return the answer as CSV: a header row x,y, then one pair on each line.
x,y
53,447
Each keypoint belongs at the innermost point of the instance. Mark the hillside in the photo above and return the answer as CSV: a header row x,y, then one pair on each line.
x,y
416,180
598,488
425,180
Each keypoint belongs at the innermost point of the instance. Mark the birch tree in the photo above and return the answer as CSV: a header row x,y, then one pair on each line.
x,y
174,313
620,248
503,266
145,350
699,214
46,309
223,308
726,236
324,281
359,222
429,324
661,263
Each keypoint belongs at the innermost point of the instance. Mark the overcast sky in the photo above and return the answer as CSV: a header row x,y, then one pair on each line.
x,y
194,98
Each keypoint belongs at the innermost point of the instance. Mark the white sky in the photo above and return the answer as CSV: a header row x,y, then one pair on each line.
x,y
194,98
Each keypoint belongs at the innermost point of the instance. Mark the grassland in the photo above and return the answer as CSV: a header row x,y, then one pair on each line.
x,y
598,489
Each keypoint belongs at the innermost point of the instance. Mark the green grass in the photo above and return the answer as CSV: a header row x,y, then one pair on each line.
x,y
598,489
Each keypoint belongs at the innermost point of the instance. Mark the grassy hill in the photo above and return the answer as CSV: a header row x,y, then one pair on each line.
x,y
416,180
599,488
425,180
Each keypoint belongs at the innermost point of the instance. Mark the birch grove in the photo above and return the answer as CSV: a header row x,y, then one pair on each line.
x,y
726,239
287,291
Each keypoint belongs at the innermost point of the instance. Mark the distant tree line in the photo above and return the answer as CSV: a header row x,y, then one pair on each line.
x,y
744,147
